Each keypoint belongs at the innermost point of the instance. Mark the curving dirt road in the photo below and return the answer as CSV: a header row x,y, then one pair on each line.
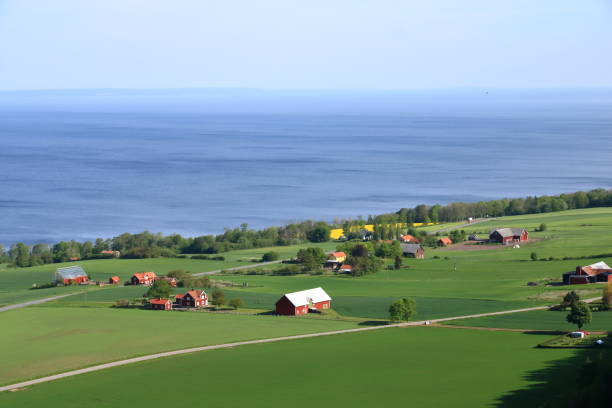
x,y
244,343
35,302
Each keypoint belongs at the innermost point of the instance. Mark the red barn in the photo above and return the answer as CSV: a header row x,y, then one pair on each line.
x,y
160,304
71,274
597,272
143,278
114,280
505,235
193,298
299,303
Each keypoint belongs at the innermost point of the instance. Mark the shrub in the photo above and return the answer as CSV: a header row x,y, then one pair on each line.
x,y
122,303
534,256
270,256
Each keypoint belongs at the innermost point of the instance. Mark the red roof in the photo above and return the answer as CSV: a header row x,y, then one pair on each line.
x,y
115,279
445,241
180,296
346,267
159,301
338,254
196,294
145,275
408,238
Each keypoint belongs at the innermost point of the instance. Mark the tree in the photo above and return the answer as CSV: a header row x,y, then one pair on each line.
x,y
236,303
607,296
402,309
534,256
160,289
570,298
580,314
270,256
218,297
542,227
319,233
398,262
22,255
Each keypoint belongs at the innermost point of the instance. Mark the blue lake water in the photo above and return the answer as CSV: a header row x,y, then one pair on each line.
x,y
74,171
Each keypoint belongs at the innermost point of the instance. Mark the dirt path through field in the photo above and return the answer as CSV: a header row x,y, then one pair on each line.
x,y
35,302
99,367
237,268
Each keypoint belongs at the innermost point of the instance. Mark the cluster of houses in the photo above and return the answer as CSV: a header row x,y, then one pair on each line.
x,y
195,298
597,272
335,262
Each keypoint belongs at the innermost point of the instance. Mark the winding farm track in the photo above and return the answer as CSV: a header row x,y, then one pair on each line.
x,y
119,363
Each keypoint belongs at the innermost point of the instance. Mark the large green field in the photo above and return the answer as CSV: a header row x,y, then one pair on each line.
x,y
83,329
417,367
44,340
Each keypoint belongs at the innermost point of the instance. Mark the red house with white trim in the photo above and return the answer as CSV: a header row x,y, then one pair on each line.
x,y
143,278
303,302
193,298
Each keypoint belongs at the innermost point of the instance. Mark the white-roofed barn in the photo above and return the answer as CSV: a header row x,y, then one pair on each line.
x,y
299,303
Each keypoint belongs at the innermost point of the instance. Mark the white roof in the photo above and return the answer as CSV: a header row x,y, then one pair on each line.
x,y
600,265
306,297
70,272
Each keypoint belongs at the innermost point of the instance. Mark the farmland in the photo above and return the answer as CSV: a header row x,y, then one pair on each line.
x,y
338,370
84,329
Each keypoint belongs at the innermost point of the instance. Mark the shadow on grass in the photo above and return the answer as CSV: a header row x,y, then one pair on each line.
x,y
373,323
546,332
582,380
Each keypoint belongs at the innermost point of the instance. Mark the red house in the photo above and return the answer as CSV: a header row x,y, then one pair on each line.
x,y
193,298
160,304
143,278
505,235
71,274
444,241
114,280
303,302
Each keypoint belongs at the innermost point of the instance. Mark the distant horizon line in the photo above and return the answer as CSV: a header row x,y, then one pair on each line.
x,y
338,90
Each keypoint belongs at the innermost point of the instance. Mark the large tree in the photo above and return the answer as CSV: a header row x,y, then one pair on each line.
x,y
402,309
319,232
580,314
160,289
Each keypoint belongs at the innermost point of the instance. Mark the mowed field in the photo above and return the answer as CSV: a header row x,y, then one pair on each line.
x,y
417,367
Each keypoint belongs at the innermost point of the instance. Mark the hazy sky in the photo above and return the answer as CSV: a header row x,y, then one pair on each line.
x,y
373,44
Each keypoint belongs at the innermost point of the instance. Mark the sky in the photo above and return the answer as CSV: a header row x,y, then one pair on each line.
x,y
314,44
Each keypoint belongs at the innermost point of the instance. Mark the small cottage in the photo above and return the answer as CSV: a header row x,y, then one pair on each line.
x,y
160,304
114,280
193,298
303,302
444,242
413,251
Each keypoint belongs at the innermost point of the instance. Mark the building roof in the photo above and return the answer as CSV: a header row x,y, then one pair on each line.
x,y
70,272
346,267
196,294
159,301
338,254
600,265
410,248
508,232
408,238
115,278
308,296
446,241
179,296
145,275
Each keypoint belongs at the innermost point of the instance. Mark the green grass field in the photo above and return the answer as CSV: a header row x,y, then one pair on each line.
x,y
82,329
538,320
419,367
44,340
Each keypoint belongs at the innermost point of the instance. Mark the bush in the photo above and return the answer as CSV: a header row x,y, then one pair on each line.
x,y
270,256
534,256
122,303
236,303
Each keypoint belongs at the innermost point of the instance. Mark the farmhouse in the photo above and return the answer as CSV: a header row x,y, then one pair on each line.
x,y
444,241
413,251
71,274
505,235
143,278
170,280
597,272
299,303
160,304
116,254
335,259
114,280
193,298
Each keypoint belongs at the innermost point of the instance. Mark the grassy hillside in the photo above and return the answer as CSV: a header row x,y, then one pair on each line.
x,y
421,367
